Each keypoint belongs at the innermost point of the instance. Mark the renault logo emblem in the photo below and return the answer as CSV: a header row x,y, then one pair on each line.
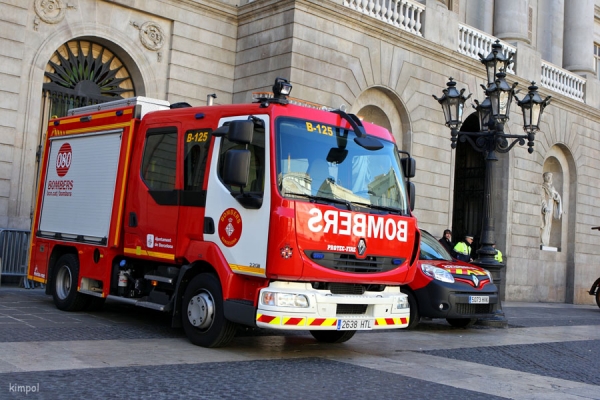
x,y
475,281
362,247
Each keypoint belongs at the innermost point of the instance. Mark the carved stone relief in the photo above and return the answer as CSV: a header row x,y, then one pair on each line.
x,y
152,36
50,11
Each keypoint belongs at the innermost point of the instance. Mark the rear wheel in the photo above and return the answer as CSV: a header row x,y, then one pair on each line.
x,y
461,322
202,314
598,296
332,336
64,285
415,316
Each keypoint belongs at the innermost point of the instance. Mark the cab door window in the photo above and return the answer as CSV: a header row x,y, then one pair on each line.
x,y
195,149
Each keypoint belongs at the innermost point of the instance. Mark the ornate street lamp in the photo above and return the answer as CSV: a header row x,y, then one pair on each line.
x,y
493,113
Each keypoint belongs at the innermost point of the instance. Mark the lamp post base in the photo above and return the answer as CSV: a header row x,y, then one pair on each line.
x,y
498,320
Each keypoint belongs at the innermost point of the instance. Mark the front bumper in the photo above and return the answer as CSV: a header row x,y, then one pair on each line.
x,y
445,300
387,309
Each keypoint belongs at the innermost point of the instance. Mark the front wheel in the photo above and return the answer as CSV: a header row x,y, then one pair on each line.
x,y
461,322
332,336
598,296
64,285
202,314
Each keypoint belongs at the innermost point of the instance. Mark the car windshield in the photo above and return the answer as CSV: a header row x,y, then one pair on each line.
x,y
324,163
432,249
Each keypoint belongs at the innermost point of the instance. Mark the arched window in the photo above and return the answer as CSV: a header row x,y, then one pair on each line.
x,y
82,73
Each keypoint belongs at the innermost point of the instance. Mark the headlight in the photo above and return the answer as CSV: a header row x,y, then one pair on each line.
x,y
437,273
284,299
490,275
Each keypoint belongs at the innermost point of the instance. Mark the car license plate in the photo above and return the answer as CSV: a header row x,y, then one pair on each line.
x,y
479,299
354,324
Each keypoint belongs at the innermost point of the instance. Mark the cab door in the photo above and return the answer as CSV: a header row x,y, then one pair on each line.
x,y
241,230
152,211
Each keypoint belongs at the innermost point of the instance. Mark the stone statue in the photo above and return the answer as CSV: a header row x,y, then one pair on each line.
x,y
551,207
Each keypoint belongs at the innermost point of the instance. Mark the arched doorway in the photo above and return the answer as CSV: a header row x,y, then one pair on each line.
x,y
469,181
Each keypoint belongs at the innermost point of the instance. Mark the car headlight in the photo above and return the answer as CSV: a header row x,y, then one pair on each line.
x,y
284,299
490,275
437,273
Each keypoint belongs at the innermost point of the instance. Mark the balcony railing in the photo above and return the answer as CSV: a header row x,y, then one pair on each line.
x,y
562,81
403,14
472,42
408,14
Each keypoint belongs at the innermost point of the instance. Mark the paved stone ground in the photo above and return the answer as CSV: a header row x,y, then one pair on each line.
x,y
548,351
305,378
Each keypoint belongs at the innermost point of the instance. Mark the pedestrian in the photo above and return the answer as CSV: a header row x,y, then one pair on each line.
x,y
446,241
498,255
463,249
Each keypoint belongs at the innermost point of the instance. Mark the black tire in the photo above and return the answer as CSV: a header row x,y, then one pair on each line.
x,y
598,296
415,315
202,314
461,322
64,284
332,336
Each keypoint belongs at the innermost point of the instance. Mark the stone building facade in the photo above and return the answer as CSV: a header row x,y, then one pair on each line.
x,y
383,59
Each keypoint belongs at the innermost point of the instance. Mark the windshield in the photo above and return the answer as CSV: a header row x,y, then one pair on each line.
x,y
432,249
324,162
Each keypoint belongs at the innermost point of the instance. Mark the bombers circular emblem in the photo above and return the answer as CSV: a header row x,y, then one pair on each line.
x,y
230,227
63,159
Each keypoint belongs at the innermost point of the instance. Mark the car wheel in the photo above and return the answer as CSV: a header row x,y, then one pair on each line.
x,y
461,322
332,336
202,313
415,316
598,296
64,284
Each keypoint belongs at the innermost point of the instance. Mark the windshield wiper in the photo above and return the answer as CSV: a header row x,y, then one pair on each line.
x,y
314,199
377,207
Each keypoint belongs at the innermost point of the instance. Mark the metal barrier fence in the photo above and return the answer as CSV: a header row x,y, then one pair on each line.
x,y
14,246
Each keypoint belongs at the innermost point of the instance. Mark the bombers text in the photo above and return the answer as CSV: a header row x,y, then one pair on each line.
x,y
361,225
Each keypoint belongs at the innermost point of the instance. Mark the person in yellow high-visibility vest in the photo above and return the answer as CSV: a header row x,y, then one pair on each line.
x,y
463,249
498,255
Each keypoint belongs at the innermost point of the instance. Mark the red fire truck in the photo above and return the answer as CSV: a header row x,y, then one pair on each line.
x,y
267,214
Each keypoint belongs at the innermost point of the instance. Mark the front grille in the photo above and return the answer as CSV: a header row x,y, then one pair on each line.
x,y
355,309
346,288
470,309
349,262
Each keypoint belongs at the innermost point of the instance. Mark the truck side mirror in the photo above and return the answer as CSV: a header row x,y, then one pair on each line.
x,y
241,132
410,191
236,167
409,166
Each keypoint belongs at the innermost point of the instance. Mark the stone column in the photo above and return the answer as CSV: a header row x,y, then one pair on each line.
x,y
511,21
578,36
480,15
550,26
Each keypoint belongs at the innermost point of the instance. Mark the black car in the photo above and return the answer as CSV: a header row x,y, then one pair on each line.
x,y
445,287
